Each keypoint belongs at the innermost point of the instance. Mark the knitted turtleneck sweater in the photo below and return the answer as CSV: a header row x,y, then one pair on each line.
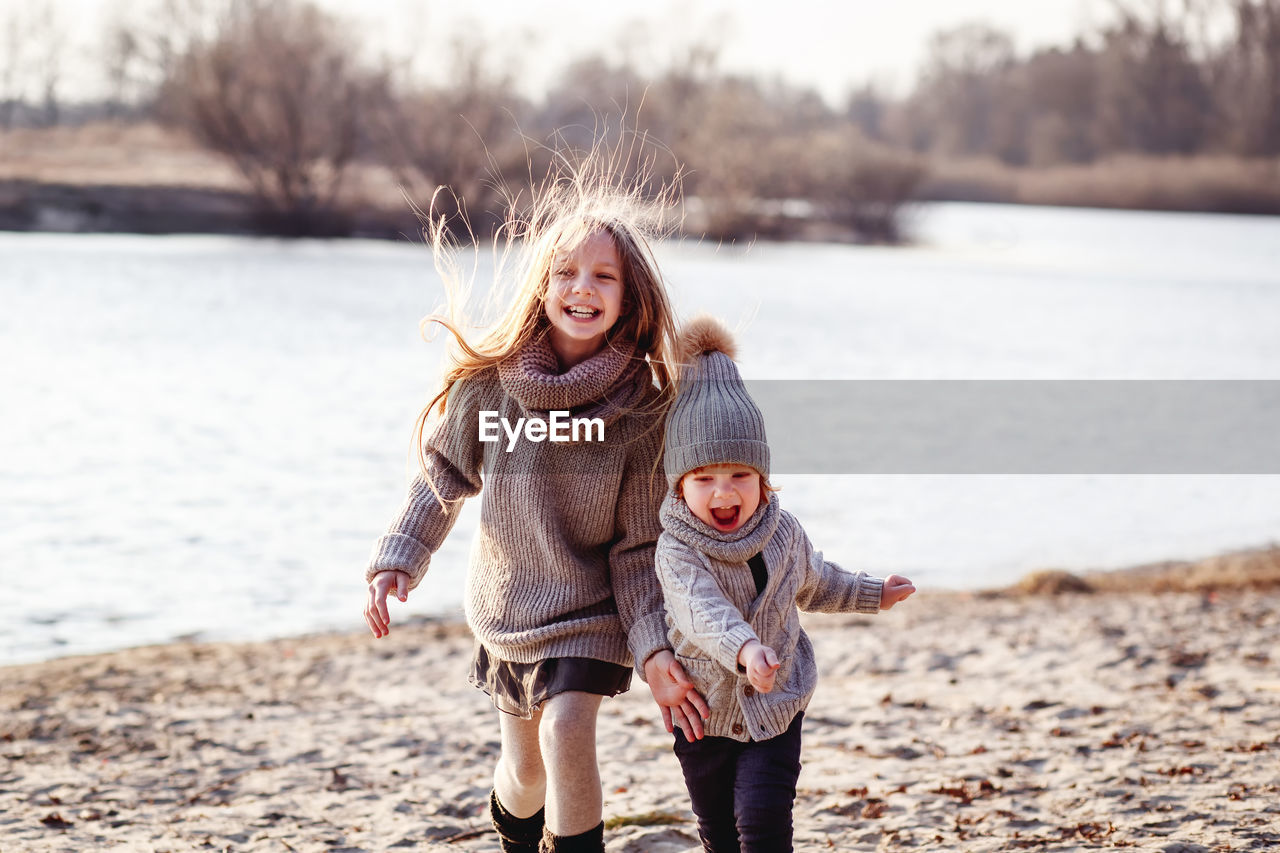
x,y
562,562
712,610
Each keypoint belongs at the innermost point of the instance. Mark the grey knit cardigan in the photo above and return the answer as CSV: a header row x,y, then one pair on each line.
x,y
562,561
712,610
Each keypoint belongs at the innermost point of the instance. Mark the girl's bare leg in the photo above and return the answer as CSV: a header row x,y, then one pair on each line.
x,y
519,779
568,740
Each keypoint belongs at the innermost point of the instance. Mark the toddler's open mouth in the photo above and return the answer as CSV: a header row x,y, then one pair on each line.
x,y
725,518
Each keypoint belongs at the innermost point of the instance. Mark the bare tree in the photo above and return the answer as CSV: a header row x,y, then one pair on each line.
x,y
866,108
277,90
462,137
12,54
1151,96
961,100
49,55
33,48
1062,88
586,88
859,184
1250,86
122,54
142,45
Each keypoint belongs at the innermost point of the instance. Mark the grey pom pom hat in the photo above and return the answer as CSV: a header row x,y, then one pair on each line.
x,y
713,421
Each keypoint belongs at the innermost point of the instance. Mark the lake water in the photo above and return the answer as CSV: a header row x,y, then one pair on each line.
x,y
202,436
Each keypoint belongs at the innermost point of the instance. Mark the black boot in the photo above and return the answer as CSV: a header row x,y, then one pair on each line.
x,y
591,841
517,834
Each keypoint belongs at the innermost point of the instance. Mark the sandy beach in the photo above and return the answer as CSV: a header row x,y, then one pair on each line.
x,y
959,721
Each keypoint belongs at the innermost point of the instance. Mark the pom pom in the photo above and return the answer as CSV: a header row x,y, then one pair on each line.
x,y
704,334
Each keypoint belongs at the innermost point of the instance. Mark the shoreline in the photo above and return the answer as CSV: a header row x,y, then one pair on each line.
x,y
961,720
1251,568
1255,568
44,206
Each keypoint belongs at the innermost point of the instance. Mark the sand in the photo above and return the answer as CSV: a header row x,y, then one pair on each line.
x,y
954,722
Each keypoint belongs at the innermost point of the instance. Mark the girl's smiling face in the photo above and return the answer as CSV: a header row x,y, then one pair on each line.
x,y
722,496
584,297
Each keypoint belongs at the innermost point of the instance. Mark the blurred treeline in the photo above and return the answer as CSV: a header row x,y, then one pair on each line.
x,y
1171,105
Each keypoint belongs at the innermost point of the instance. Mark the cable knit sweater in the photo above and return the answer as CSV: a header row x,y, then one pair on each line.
x,y
562,562
712,610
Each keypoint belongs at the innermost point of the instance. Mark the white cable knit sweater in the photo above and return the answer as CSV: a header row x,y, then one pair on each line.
x,y
712,610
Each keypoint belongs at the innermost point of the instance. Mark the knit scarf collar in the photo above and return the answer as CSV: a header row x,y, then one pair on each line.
x,y
604,386
737,546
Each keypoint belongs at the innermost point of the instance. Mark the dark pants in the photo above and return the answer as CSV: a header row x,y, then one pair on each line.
x,y
741,792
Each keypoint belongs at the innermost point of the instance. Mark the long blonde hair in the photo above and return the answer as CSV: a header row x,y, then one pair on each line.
x,y
604,190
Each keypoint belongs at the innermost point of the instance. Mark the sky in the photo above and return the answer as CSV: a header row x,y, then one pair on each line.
x,y
831,46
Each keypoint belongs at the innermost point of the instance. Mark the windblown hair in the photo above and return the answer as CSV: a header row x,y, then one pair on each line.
x,y
603,190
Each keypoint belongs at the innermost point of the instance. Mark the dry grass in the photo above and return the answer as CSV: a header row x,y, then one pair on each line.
x,y
1202,183
149,178
113,153
1252,569
1257,569
149,155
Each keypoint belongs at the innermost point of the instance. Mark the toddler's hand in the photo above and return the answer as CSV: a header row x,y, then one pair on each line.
x,y
761,664
895,589
376,615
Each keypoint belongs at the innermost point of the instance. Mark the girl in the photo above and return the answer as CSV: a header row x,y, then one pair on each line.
x,y
561,593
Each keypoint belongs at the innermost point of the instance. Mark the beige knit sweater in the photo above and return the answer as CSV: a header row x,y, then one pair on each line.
x,y
562,561
713,610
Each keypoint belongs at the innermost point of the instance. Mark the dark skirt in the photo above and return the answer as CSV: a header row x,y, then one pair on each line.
x,y
520,689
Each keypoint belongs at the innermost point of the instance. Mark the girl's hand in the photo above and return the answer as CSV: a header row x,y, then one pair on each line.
x,y
895,589
673,691
376,614
761,664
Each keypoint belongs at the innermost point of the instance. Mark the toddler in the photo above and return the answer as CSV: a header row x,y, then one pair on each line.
x,y
735,568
